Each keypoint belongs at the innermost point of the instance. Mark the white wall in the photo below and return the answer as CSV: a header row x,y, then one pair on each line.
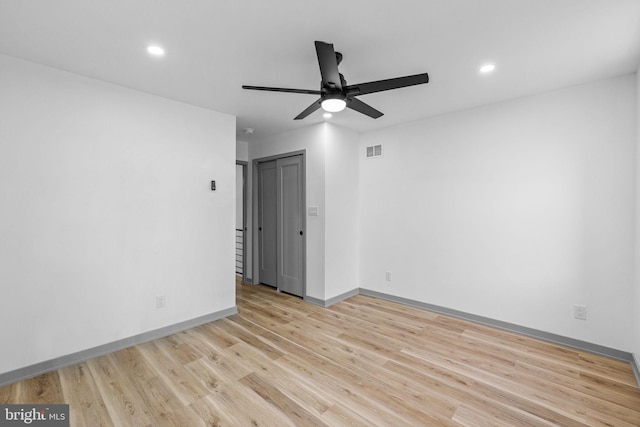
x,y
331,185
242,151
105,204
341,211
636,296
514,211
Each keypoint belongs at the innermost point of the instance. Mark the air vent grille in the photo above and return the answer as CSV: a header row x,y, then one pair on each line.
x,y
374,151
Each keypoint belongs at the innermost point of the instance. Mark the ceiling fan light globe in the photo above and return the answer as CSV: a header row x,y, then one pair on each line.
x,y
333,105
155,50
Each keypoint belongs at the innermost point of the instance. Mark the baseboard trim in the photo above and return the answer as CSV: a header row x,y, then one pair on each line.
x,y
84,355
315,301
510,327
329,302
635,364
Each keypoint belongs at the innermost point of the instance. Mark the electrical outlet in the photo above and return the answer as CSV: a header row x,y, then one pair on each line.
x,y
161,301
580,312
387,276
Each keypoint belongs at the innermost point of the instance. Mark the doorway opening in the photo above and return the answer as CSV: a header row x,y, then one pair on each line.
x,y
281,224
241,220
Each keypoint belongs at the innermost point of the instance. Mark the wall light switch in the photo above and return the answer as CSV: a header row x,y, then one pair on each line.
x,y
213,186
313,210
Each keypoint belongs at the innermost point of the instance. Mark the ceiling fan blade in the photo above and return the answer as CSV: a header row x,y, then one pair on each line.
x,y
388,84
280,89
328,65
361,107
310,109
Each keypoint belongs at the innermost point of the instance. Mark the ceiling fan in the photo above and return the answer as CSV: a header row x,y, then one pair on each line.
x,y
334,92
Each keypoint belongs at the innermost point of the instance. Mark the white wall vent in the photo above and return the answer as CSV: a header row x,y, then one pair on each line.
x,y
374,151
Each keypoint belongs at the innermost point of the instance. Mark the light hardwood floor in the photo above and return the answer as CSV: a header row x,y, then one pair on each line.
x,y
362,362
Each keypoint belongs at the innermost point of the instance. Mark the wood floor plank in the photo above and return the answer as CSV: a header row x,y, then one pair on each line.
x,y
470,417
608,368
332,383
509,406
10,393
214,358
241,333
280,378
134,364
183,383
125,406
400,326
210,413
180,349
362,362
498,381
403,311
340,415
82,394
215,336
237,405
232,403
44,388
167,408
298,414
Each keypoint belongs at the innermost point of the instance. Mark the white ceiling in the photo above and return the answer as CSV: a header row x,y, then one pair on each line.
x,y
215,46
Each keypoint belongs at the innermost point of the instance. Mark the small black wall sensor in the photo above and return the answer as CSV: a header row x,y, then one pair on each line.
x,y
213,186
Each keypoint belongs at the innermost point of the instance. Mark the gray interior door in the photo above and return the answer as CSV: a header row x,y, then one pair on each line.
x,y
290,209
267,223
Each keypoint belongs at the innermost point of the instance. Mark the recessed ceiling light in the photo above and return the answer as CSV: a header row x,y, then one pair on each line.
x,y
155,50
487,68
327,115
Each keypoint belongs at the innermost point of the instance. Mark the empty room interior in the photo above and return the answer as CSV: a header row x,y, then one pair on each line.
x,y
411,213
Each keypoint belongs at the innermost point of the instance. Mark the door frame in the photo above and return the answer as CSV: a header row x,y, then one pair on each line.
x,y
255,235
